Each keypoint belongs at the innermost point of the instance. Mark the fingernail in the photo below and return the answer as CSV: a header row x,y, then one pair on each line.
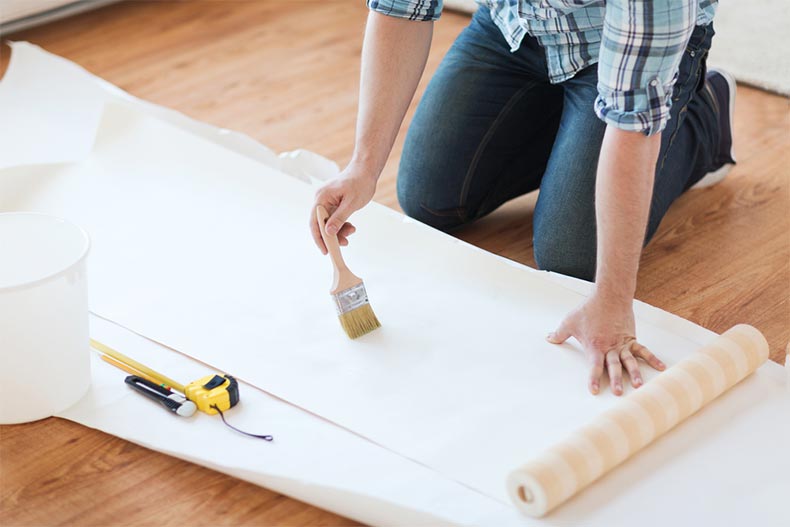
x,y
549,336
638,381
595,388
331,229
661,365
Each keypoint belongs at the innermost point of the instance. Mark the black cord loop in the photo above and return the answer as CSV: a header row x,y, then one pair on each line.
x,y
257,436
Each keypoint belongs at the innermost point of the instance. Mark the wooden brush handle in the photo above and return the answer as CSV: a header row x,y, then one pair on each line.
x,y
344,278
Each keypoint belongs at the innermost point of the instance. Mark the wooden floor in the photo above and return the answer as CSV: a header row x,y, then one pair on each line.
x,y
285,73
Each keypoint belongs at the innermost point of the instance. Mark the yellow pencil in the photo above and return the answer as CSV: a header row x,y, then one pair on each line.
x,y
156,377
128,369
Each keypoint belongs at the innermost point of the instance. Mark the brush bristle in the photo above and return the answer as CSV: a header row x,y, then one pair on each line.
x,y
359,321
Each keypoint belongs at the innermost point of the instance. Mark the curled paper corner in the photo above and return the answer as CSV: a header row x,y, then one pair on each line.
x,y
16,43
308,166
63,115
81,97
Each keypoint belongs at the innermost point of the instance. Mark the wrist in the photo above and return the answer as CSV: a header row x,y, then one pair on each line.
x,y
612,298
366,166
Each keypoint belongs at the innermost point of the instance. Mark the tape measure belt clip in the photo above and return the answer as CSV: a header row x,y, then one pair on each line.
x,y
217,380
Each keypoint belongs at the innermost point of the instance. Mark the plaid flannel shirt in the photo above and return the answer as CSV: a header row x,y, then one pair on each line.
x,y
637,44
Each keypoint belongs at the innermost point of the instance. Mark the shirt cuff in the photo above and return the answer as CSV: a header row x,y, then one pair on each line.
x,y
644,110
422,10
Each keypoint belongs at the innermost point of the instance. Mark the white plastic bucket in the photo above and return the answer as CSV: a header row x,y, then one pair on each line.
x,y
44,342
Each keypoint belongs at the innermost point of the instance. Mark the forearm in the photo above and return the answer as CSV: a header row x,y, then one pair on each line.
x,y
393,58
624,187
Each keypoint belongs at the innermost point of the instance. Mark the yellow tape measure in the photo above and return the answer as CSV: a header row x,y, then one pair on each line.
x,y
211,394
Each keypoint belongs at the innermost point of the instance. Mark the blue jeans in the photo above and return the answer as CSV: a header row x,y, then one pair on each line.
x,y
490,127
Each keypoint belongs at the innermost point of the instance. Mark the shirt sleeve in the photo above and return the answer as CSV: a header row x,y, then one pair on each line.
x,y
423,10
641,48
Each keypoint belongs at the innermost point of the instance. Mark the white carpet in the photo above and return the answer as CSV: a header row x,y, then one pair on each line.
x,y
750,42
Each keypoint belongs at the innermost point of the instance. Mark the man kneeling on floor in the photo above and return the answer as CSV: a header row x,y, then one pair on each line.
x,y
603,105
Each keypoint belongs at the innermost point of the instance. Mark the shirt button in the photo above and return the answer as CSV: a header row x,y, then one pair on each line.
x,y
693,53
654,82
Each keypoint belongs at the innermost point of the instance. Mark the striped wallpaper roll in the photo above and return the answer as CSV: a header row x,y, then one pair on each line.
x,y
637,420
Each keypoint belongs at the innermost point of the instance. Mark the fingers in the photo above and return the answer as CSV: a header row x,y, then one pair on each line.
x,y
563,333
595,373
338,218
632,367
316,232
347,230
342,237
643,353
615,371
336,224
341,197
608,347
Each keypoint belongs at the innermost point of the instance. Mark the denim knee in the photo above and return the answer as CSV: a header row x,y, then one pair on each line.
x,y
565,252
412,198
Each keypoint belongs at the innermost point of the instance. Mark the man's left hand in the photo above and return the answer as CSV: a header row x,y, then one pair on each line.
x,y
607,333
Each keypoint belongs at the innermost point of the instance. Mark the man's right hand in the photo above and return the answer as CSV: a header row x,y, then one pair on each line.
x,y
341,197
393,57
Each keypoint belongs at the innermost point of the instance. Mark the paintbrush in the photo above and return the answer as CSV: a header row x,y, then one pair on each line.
x,y
353,308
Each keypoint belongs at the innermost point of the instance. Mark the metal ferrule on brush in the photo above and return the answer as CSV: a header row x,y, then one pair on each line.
x,y
354,312
350,299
